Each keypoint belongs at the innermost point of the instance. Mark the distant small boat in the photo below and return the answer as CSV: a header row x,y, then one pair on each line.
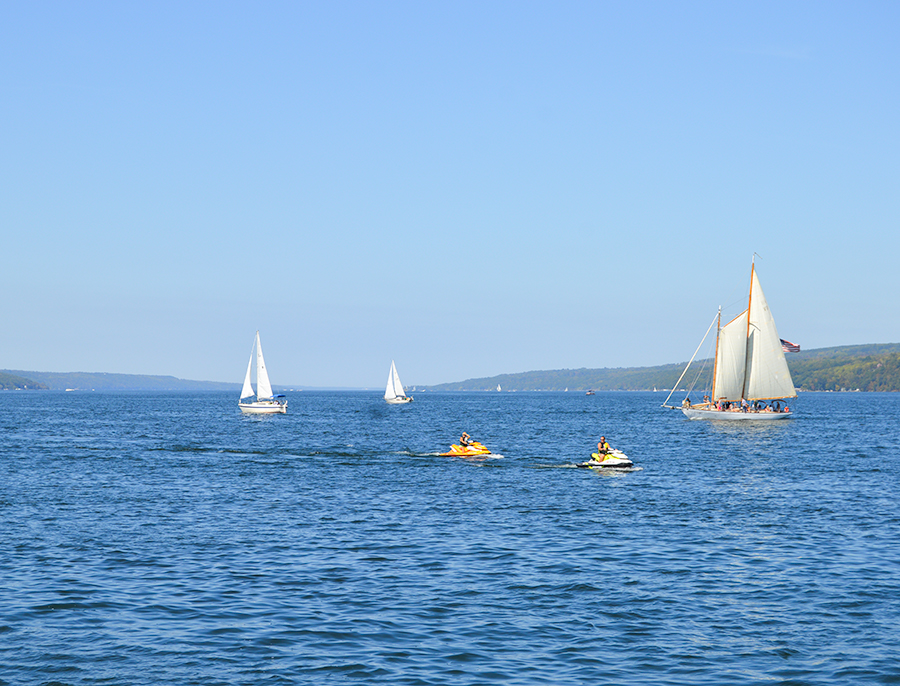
x,y
394,394
265,402
590,393
498,388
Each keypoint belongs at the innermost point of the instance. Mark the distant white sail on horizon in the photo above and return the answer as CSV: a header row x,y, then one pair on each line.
x,y
247,390
265,402
263,387
394,393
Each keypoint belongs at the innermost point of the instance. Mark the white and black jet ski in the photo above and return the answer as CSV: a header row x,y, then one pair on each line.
x,y
614,459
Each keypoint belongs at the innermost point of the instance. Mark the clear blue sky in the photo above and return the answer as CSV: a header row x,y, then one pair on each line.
x,y
468,188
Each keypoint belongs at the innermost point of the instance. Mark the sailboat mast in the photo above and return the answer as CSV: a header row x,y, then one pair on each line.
x,y
747,360
257,365
716,354
747,343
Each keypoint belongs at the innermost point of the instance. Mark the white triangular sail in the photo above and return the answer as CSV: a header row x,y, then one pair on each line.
x,y
247,390
394,387
768,376
750,361
731,356
389,392
398,387
263,387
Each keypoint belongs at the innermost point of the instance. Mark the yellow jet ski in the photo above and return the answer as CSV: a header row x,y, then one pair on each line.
x,y
614,459
473,449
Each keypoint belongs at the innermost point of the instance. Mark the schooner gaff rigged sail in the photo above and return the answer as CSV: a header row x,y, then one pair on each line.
x,y
750,376
394,392
265,402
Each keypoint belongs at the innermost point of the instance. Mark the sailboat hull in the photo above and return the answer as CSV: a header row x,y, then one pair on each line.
x,y
266,402
263,408
728,415
398,400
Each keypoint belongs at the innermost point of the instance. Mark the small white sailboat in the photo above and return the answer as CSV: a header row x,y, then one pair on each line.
x,y
751,378
394,392
266,402
498,388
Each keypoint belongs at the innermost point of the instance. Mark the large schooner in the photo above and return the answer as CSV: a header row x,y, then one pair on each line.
x,y
751,379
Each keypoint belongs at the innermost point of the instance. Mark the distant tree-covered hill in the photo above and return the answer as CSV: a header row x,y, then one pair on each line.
x,y
876,371
866,367
13,382
96,381
609,379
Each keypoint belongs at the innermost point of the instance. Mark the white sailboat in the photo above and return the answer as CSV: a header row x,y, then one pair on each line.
x,y
265,402
751,378
498,388
394,392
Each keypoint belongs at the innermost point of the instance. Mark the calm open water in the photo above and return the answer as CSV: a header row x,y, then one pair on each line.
x,y
153,538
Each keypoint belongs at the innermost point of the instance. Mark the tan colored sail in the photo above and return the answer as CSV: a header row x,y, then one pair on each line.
x,y
768,376
731,356
750,361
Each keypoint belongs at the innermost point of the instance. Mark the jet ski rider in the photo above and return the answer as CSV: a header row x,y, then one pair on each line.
x,y
603,447
464,440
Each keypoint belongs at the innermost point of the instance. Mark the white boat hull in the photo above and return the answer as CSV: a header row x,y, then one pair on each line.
x,y
263,408
398,400
728,415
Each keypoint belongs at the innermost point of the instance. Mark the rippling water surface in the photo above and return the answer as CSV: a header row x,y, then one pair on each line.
x,y
153,538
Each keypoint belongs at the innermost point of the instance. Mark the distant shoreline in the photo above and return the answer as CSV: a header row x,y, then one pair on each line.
x,y
867,368
106,381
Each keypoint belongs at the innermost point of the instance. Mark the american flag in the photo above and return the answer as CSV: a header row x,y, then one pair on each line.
x,y
789,347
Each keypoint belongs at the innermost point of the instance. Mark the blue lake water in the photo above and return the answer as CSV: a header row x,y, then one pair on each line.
x,y
150,538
